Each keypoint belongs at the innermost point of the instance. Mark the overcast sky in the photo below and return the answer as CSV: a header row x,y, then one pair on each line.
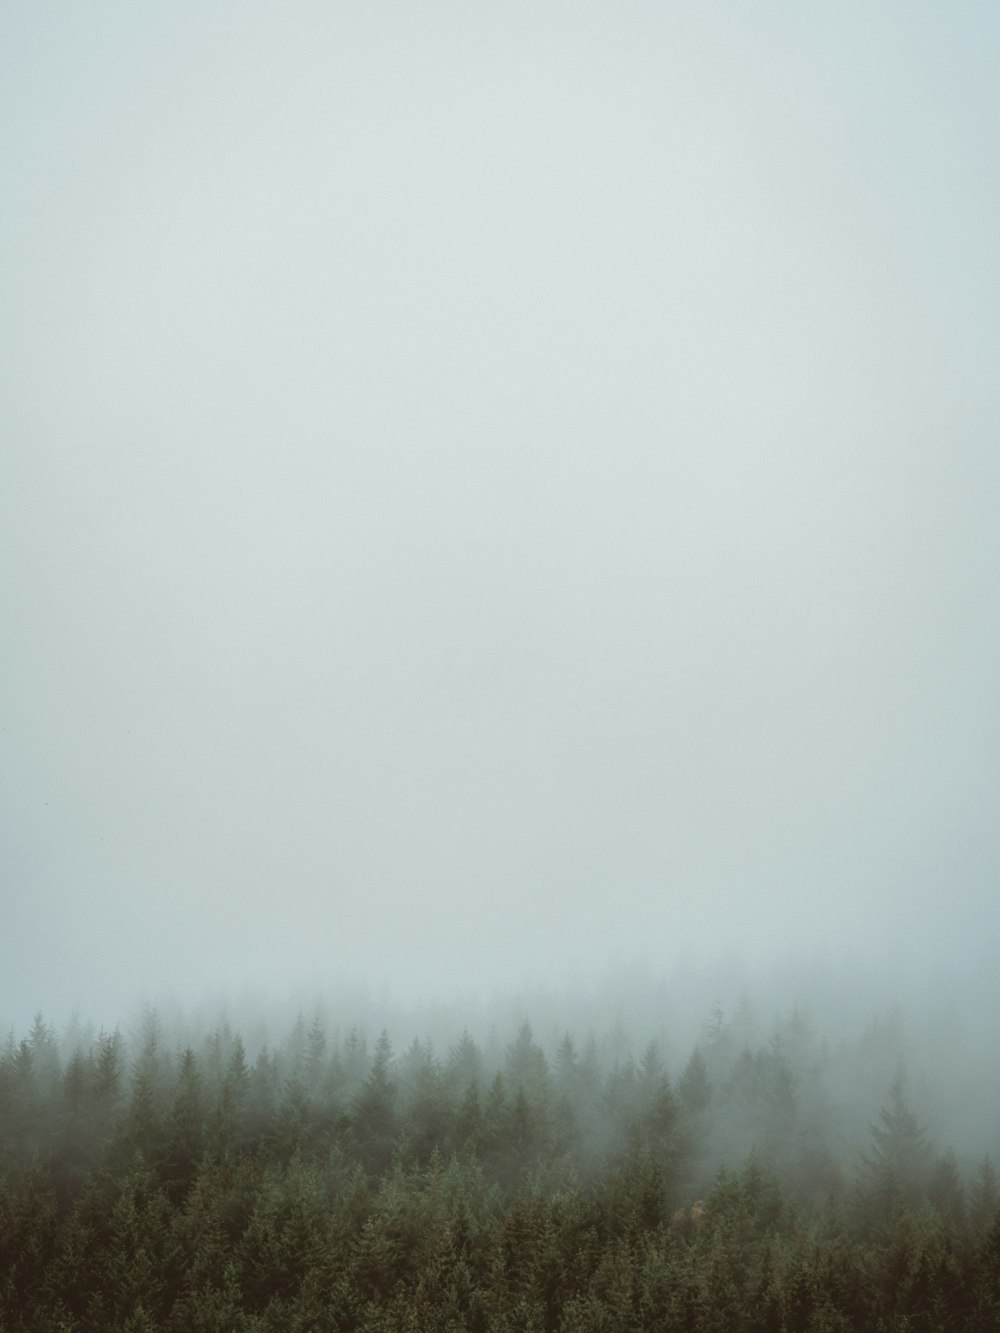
x,y
490,489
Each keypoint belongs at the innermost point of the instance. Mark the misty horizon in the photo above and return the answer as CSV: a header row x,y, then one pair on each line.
x,y
489,498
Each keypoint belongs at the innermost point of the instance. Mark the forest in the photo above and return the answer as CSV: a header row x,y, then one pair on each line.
x,y
502,1183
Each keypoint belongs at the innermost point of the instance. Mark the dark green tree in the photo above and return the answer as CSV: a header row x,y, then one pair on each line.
x,y
464,1064
374,1113
468,1130
947,1194
184,1132
694,1090
899,1155
984,1199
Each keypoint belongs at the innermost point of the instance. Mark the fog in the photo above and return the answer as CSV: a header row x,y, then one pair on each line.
x,y
498,497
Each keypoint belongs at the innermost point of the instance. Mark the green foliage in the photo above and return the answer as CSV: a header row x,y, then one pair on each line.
x,y
984,1201
317,1186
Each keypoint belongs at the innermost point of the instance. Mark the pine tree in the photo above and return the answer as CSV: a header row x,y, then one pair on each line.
x,y
694,1090
946,1194
184,1136
142,1122
495,1114
77,1129
229,1129
45,1059
354,1059
656,1123
425,1112
374,1116
25,1122
315,1058
899,1148
469,1121
718,1044
262,1097
525,1066
108,1078
984,1199
567,1067
987,1272
464,1064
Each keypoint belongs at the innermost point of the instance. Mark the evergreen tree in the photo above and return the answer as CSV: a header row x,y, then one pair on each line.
x,y
694,1090
374,1117
26,1123
464,1064
425,1112
78,1131
899,1150
947,1195
495,1113
230,1131
656,1122
262,1097
984,1200
315,1058
567,1067
720,1049
468,1130
142,1121
107,1086
525,1066
295,1047
184,1136
354,1061
45,1058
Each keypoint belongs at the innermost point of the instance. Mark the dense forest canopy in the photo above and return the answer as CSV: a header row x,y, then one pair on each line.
x,y
184,1177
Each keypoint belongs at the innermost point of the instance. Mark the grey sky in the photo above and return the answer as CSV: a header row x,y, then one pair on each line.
x,y
485,488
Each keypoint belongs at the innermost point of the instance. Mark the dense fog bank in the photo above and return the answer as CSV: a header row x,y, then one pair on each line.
x,y
841,1033
489,490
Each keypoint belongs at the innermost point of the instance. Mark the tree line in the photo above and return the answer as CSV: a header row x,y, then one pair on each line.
x,y
331,1182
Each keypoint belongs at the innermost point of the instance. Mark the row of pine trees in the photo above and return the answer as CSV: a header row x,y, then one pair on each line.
x,y
331,1182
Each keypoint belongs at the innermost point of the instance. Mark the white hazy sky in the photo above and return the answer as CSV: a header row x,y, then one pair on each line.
x,y
493,488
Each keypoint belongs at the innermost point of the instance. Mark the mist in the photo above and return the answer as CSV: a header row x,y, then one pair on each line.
x,y
497,497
